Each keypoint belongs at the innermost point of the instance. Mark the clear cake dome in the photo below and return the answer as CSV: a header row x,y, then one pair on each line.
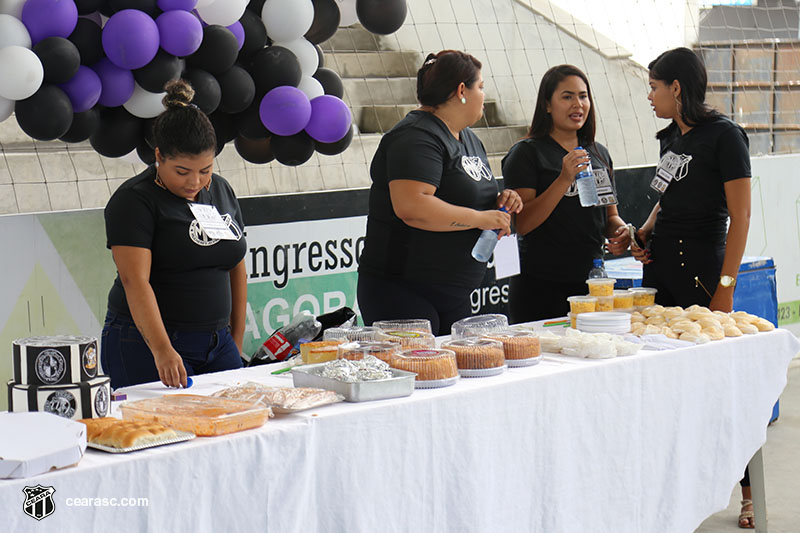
x,y
478,325
358,350
406,324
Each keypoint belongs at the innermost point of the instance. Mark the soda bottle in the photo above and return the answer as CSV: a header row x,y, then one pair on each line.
x,y
598,270
484,246
587,188
279,345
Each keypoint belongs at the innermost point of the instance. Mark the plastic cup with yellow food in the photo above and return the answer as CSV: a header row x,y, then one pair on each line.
x,y
601,286
643,296
582,304
623,300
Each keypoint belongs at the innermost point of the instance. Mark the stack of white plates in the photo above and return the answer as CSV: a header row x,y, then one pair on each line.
x,y
604,322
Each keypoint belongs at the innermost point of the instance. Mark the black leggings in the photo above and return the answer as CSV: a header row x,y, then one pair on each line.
x,y
531,298
382,299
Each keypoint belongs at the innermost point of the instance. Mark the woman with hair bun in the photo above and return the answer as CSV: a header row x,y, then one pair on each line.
x,y
432,193
177,306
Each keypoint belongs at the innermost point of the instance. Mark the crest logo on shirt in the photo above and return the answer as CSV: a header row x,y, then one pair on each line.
x,y
672,166
475,168
201,238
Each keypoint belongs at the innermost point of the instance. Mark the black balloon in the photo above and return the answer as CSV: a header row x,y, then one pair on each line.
x,y
161,69
147,132
254,151
217,52
86,7
207,92
248,123
381,16
256,6
83,125
320,56
330,81
145,152
148,6
274,66
337,147
60,59
224,129
255,34
117,134
238,90
292,150
46,115
87,38
326,21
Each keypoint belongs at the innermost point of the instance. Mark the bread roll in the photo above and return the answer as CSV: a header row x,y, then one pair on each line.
x,y
697,338
699,309
118,433
636,316
743,316
656,320
680,317
686,327
697,314
669,333
653,310
650,329
672,312
714,333
708,322
638,328
732,331
746,327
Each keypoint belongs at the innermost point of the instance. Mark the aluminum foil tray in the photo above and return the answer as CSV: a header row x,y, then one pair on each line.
x,y
400,384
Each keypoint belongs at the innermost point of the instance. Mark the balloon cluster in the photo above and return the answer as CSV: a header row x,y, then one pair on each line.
x,y
95,69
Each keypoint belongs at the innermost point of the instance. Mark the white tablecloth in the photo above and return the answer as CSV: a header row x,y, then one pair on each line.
x,y
652,442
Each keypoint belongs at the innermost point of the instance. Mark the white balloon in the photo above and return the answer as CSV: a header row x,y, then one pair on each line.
x,y
287,20
203,3
306,54
21,72
347,10
311,87
222,12
12,7
6,108
13,32
144,104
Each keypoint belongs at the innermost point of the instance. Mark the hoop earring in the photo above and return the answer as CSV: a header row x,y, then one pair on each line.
x,y
463,99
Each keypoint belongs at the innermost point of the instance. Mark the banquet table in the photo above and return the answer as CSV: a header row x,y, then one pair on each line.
x,y
650,442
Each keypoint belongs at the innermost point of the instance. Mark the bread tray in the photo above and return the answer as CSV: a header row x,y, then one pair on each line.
x,y
182,436
400,384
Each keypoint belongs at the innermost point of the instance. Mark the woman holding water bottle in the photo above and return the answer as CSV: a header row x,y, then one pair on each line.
x,y
432,193
558,236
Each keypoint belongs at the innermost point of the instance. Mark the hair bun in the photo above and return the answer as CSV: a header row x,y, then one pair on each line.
x,y
179,93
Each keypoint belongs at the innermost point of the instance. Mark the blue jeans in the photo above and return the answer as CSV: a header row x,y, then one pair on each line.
x,y
128,361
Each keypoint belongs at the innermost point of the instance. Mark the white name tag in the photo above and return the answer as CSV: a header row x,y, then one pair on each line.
x,y
211,222
506,257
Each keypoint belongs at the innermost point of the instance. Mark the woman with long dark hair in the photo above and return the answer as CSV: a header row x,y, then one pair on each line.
x,y
177,306
432,193
692,254
558,239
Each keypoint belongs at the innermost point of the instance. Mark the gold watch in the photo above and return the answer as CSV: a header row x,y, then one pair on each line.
x,y
727,281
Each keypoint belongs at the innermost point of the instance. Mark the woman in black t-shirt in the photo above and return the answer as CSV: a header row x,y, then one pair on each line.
x,y
559,238
177,306
692,256
432,193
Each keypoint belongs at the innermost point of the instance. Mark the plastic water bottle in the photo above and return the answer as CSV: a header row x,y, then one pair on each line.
x,y
280,344
598,270
587,188
484,246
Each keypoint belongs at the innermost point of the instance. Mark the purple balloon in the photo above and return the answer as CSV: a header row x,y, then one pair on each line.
x,y
117,83
183,5
330,119
83,89
285,110
238,31
181,32
130,39
49,18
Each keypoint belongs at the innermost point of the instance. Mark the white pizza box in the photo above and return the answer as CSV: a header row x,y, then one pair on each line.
x,y
41,442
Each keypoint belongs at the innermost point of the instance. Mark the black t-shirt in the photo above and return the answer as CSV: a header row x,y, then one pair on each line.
x,y
190,273
421,148
700,162
563,246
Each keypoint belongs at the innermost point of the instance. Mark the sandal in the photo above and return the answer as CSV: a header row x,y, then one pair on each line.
x,y
746,518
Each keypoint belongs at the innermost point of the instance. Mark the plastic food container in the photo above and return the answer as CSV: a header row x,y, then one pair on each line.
x,y
356,351
205,416
409,339
520,348
582,304
604,303
409,324
601,286
573,320
477,353
319,351
367,333
643,296
476,326
623,300
437,366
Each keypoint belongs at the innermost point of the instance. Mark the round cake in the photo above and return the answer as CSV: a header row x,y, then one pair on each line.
x,y
427,364
357,350
518,344
477,353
